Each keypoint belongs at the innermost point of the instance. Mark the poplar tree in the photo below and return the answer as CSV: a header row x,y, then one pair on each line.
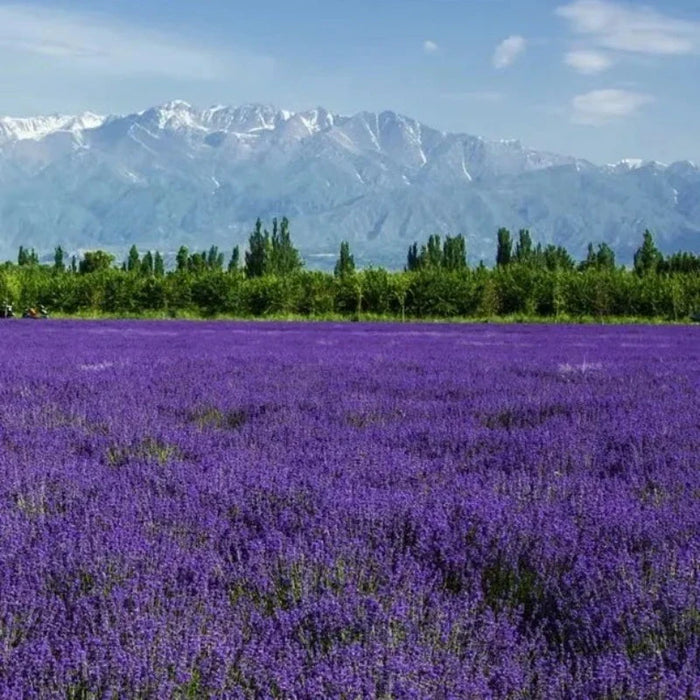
x,y
454,253
345,265
182,259
133,262
147,267
523,248
505,247
258,253
158,265
59,259
648,257
234,262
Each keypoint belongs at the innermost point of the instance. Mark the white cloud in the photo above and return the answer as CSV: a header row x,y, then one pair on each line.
x,y
508,51
99,44
588,62
626,27
602,106
430,46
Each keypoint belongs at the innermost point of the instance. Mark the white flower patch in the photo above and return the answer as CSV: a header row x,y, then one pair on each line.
x,y
96,367
582,368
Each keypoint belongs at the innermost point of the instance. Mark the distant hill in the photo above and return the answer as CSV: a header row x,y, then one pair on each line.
x,y
174,175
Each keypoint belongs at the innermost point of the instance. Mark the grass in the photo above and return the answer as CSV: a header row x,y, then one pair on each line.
x,y
194,315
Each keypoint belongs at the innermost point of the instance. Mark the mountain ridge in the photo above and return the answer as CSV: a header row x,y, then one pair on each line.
x,y
174,174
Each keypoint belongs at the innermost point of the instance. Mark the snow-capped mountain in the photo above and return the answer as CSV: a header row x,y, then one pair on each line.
x,y
174,174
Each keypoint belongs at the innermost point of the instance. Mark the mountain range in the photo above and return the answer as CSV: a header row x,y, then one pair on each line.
x,y
176,175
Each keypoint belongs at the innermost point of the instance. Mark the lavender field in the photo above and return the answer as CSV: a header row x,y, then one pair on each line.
x,y
349,511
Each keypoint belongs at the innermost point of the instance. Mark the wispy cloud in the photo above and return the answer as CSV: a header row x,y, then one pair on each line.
x,y
602,106
430,46
588,62
99,44
633,28
508,51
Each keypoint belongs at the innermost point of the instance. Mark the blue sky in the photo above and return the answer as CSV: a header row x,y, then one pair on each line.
x,y
597,79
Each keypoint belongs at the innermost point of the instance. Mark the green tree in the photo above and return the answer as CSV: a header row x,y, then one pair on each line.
x,y
26,257
59,259
433,253
413,260
95,261
505,247
556,258
215,259
524,253
182,259
234,262
284,257
605,257
197,262
257,257
454,253
147,266
158,265
648,257
345,265
133,262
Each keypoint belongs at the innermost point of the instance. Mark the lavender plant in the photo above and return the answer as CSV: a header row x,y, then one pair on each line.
x,y
292,511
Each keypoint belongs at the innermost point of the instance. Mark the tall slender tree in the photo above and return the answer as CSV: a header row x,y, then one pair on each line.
x,y
133,261
59,263
523,248
182,259
158,265
505,247
648,257
147,267
257,257
454,253
345,265
234,262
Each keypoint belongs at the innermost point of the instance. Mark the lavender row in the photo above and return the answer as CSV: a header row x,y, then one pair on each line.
x,y
283,510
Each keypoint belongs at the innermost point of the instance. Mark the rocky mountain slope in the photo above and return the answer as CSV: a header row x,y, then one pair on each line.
x,y
174,175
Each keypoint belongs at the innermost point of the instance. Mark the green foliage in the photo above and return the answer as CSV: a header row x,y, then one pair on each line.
x,y
234,262
27,257
181,259
601,259
95,261
133,262
284,257
147,267
685,263
505,247
647,258
345,265
59,263
258,254
530,281
271,254
523,248
554,258
158,265
452,255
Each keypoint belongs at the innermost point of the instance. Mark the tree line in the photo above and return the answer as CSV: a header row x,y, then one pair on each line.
x,y
269,279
